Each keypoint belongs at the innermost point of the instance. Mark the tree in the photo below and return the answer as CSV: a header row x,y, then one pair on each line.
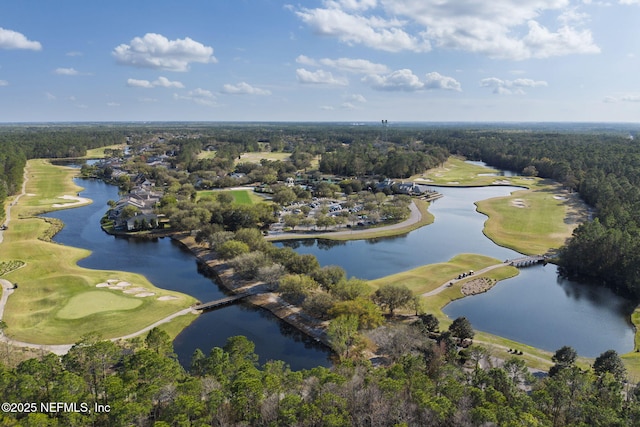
x,y
342,332
232,248
609,361
368,314
392,296
430,322
461,328
564,357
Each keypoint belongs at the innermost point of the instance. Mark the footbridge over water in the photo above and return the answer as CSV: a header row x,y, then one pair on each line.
x,y
212,305
526,261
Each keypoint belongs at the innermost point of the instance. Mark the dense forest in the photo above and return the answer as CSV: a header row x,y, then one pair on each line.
x,y
142,384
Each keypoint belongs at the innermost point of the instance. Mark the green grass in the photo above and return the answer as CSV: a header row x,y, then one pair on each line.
x,y
240,197
259,155
428,277
98,153
51,280
534,220
92,302
528,221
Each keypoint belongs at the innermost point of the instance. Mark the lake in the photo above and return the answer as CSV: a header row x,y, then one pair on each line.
x,y
168,265
535,308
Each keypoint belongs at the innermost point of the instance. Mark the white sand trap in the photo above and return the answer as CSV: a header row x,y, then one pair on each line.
x,y
167,298
102,285
113,280
502,182
453,182
123,284
144,294
518,203
76,201
559,197
30,194
134,290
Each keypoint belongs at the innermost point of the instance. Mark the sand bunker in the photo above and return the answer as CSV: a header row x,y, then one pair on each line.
x,y
77,201
559,197
502,182
102,285
453,182
144,294
518,203
167,298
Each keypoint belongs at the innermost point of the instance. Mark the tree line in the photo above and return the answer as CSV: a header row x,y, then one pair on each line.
x,y
141,383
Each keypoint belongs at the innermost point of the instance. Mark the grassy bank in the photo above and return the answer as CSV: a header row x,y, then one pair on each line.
x,y
57,301
429,277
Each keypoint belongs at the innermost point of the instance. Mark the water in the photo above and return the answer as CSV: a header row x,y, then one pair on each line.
x,y
535,307
167,265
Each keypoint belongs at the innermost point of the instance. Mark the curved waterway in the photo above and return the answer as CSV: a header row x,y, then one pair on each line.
x,y
167,265
535,308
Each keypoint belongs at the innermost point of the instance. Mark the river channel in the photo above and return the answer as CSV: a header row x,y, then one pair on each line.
x,y
535,308
167,265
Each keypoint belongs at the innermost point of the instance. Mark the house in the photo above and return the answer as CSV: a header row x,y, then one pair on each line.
x,y
136,222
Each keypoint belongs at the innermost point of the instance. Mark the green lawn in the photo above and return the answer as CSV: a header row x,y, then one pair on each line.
x,y
241,197
255,157
98,153
51,285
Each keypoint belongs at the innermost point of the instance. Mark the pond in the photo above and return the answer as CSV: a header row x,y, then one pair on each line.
x,y
534,308
168,265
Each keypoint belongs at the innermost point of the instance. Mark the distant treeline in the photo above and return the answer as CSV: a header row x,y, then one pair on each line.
x,y
19,143
603,167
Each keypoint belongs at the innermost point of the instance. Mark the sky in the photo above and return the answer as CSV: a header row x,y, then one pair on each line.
x,y
320,60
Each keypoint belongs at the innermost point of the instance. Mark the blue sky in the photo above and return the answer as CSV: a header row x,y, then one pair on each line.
x,y
320,60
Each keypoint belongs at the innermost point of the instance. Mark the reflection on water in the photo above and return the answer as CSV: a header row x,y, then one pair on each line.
x,y
535,308
168,265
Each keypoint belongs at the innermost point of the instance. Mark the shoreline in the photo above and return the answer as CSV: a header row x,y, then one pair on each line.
x,y
223,276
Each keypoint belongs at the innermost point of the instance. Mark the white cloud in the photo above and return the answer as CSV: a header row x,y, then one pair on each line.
x,y
319,77
10,39
4,83
509,29
438,81
400,80
156,51
199,96
630,98
74,53
361,66
66,71
165,82
159,82
511,87
139,83
374,32
629,1
113,104
243,89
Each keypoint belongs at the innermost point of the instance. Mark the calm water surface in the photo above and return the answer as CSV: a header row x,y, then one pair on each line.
x,y
535,307
167,265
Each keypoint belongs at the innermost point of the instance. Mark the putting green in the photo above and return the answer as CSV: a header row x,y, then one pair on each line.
x,y
89,303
